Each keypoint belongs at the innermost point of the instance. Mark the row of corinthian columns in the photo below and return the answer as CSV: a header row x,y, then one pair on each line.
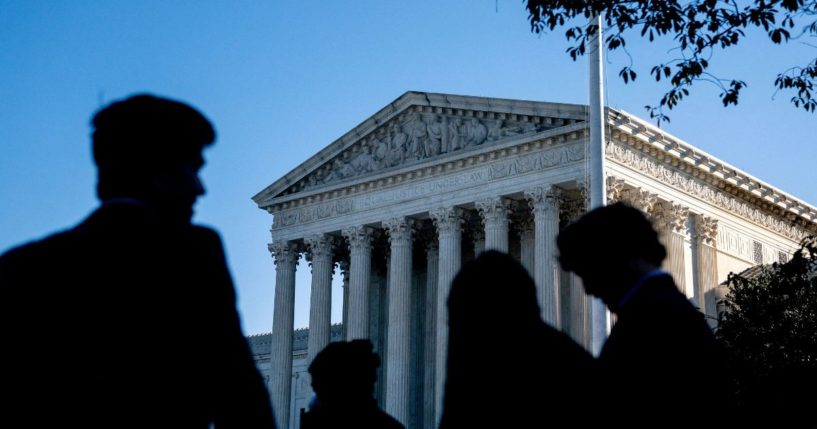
x,y
444,261
670,220
538,225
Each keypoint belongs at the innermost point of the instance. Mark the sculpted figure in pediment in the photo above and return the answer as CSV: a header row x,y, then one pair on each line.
x,y
417,144
495,131
342,170
435,136
455,134
398,142
517,128
381,150
476,132
364,162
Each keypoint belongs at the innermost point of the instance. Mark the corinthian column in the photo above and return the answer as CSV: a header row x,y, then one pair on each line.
x,y
544,202
398,344
430,332
280,382
320,302
580,305
527,241
670,220
706,232
343,265
494,212
360,248
448,221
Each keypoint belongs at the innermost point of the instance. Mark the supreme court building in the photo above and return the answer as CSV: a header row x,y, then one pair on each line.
x,y
429,181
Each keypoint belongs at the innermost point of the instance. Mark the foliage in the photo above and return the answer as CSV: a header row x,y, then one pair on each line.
x,y
769,330
699,28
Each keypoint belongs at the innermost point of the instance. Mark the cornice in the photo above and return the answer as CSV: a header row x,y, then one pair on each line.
x,y
682,156
706,188
438,167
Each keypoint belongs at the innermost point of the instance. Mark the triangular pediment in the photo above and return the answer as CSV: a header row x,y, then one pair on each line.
x,y
416,128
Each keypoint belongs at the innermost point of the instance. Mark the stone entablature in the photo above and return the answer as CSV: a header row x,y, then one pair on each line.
x,y
704,186
635,144
442,166
682,157
479,169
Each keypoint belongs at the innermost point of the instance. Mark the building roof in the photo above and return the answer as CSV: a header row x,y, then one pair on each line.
x,y
261,344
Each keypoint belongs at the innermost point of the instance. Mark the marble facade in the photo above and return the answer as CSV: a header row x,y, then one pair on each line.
x,y
431,180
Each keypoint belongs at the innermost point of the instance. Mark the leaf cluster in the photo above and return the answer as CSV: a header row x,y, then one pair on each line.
x,y
698,28
769,330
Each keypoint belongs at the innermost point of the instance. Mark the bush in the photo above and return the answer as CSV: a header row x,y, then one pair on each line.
x,y
769,330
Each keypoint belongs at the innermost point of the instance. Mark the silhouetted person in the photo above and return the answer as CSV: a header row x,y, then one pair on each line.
x,y
506,367
129,318
343,378
661,364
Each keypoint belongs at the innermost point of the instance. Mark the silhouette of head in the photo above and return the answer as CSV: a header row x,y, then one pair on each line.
x,y
492,295
149,148
345,372
610,248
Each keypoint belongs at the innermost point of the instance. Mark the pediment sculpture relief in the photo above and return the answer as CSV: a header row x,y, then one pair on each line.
x,y
416,137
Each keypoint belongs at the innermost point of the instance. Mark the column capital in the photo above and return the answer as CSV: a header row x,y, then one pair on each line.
x,y
447,220
670,216
706,229
615,188
573,208
319,246
494,210
399,229
544,199
359,238
284,253
639,198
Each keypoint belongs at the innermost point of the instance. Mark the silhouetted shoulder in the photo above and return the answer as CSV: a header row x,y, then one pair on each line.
x,y
388,422
207,234
27,259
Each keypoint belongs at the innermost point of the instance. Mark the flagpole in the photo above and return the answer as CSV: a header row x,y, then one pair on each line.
x,y
598,186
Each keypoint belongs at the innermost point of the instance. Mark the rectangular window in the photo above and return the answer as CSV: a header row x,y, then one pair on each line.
x,y
758,252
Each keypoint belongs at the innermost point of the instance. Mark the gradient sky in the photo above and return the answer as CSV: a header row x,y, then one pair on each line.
x,y
281,80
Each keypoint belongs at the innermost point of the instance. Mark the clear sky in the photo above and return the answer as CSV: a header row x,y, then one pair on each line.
x,y
281,80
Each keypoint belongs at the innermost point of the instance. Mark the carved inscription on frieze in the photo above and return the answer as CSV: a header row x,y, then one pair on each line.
x,y
502,169
498,170
311,213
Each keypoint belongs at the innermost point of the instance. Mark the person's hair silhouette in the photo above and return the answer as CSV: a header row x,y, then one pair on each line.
x,y
506,367
343,377
610,249
120,303
149,149
660,353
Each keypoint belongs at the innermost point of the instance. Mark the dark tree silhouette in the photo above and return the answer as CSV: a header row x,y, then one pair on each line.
x,y
769,329
699,29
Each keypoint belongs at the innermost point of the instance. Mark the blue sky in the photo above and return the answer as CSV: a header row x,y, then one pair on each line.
x,y
281,80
